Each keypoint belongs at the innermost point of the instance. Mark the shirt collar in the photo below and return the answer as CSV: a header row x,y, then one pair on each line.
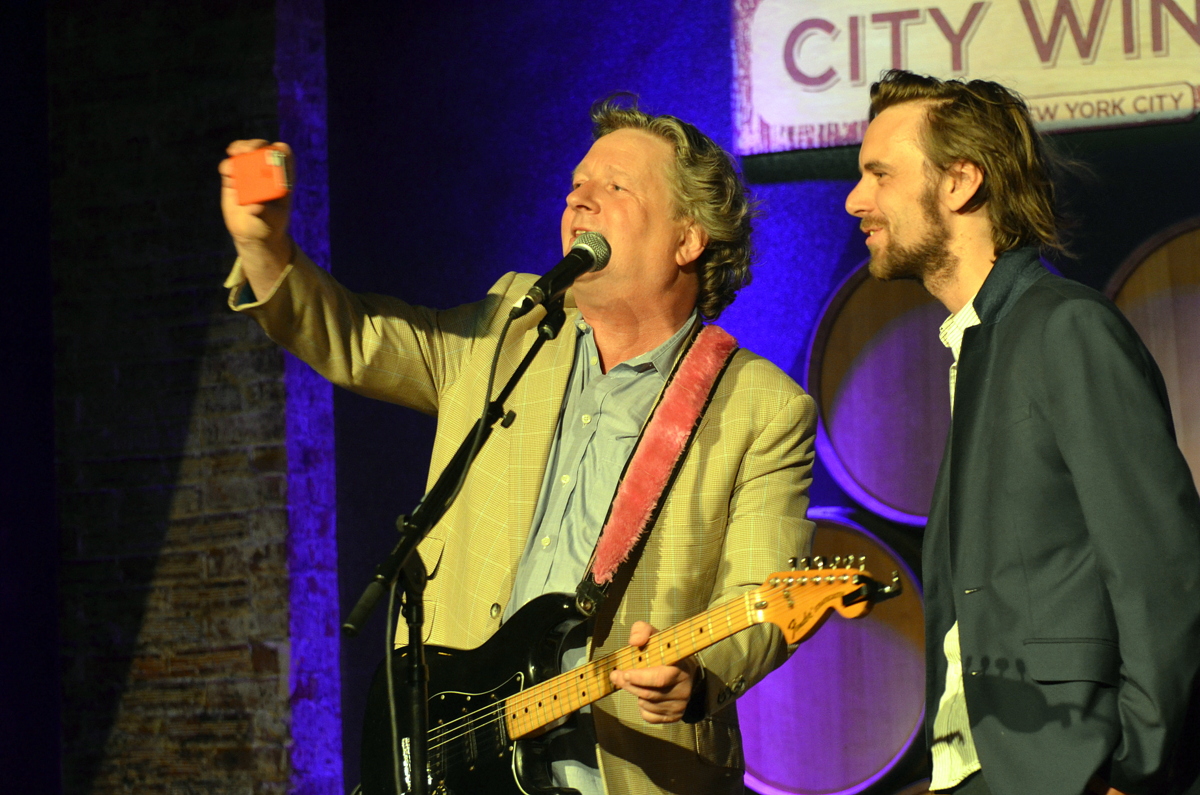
x,y
661,359
951,331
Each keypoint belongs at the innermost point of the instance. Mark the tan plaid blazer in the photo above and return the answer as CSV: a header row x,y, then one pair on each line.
x,y
735,514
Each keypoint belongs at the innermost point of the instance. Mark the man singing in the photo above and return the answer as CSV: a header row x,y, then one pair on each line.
x,y
1062,554
669,202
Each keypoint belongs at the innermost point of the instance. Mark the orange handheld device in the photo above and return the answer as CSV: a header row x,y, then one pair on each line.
x,y
261,176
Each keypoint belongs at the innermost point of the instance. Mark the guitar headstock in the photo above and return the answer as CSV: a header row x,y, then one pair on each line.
x,y
798,602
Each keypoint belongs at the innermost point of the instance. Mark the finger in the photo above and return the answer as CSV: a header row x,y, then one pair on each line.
x,y
620,680
653,696
660,713
241,147
229,199
658,677
656,717
678,693
640,632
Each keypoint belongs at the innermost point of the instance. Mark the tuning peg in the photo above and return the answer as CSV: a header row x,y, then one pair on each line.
x,y
806,563
819,562
837,561
862,562
791,563
894,588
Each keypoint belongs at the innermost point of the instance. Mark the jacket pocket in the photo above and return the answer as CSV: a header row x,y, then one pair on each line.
x,y
1073,660
1014,415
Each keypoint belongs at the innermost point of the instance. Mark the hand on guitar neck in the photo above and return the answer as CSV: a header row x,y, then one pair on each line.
x,y
490,707
662,691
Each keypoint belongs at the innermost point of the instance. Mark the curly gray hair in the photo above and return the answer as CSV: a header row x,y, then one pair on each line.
x,y
708,190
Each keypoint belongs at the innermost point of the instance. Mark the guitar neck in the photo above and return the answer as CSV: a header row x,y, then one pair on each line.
x,y
798,602
542,704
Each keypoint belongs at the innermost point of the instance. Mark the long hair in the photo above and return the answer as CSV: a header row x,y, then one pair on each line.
x,y
984,123
706,188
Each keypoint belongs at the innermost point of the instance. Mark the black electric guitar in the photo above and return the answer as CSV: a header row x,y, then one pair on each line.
x,y
487,705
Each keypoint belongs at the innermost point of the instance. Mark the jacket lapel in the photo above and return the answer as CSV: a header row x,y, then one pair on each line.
x,y
962,424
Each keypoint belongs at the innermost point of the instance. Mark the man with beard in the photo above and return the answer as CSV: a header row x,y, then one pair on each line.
x,y
1062,554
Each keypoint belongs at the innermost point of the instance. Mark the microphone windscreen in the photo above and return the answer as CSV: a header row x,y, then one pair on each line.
x,y
595,244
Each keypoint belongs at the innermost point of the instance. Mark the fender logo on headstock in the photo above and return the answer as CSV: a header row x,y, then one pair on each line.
x,y
797,624
810,596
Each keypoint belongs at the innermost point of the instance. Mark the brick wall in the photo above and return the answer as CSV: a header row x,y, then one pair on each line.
x,y
170,410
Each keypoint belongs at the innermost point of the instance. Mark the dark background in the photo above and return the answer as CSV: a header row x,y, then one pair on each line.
x,y
453,128
29,704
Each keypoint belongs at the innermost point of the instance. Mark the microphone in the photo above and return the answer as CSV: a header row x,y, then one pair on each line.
x,y
589,252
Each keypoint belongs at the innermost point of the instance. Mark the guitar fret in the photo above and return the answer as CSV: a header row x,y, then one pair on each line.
x,y
529,710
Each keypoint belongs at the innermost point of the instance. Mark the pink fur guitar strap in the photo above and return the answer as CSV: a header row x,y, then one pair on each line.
x,y
656,460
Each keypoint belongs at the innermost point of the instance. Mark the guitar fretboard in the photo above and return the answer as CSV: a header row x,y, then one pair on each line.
x,y
542,704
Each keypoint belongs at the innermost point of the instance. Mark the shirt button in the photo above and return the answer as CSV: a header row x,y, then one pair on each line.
x,y
595,361
565,479
581,326
546,541
586,418
495,611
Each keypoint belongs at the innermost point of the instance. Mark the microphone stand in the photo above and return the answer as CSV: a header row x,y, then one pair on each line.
x,y
413,528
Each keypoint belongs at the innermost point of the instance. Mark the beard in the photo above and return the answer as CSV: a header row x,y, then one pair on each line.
x,y
927,260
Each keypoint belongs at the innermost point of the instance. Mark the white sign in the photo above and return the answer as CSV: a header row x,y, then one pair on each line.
x,y
804,67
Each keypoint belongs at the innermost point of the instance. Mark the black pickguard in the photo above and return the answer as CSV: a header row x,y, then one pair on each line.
x,y
469,751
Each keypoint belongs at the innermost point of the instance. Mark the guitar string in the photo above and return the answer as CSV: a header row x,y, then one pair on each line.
x,y
589,673
478,720
523,700
592,671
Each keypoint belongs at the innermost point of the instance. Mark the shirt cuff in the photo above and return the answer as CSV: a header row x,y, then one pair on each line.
x,y
241,296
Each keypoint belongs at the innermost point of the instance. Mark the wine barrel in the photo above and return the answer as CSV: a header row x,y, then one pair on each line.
x,y
880,377
1158,289
845,713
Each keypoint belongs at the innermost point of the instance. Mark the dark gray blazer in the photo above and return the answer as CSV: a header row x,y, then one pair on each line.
x,y
1064,537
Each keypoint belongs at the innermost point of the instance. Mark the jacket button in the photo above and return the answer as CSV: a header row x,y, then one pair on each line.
x,y
495,611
